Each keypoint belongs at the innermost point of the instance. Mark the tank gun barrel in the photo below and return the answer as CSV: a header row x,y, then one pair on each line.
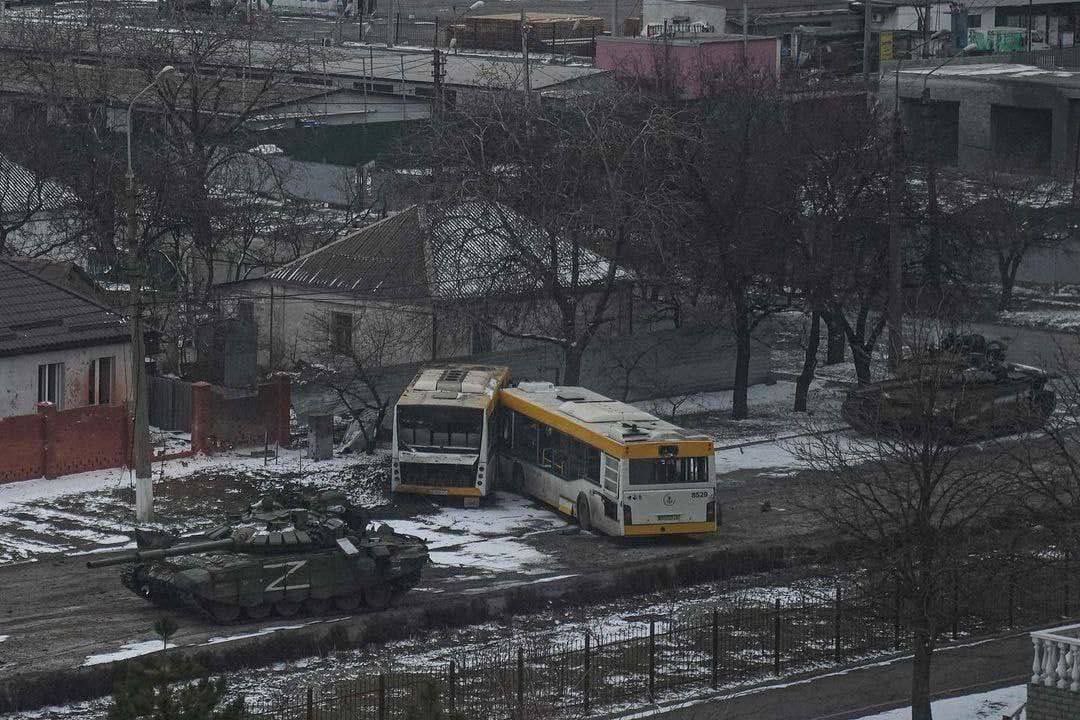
x,y
140,555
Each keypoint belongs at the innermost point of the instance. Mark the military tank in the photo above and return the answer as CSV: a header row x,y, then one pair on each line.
x,y
275,559
963,389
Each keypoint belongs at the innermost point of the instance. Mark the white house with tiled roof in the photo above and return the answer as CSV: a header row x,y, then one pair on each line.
x,y
57,346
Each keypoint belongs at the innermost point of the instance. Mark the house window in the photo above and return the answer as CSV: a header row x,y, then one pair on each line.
x,y
51,384
101,381
341,332
974,21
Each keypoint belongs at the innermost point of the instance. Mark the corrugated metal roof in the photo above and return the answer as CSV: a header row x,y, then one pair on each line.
x,y
456,251
37,315
385,259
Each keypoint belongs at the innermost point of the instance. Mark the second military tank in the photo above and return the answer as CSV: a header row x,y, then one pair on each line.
x,y
963,389
276,559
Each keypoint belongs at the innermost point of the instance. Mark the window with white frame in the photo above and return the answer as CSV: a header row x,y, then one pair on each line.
x,y
100,382
51,384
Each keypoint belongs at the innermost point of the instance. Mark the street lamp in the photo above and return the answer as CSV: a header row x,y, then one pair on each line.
x,y
475,6
140,446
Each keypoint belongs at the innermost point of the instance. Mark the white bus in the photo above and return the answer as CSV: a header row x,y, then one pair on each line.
x,y
444,440
617,469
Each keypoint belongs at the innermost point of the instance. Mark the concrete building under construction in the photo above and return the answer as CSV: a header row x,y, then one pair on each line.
x,y
557,33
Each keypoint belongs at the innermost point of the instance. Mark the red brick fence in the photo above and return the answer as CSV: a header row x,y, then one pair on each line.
x,y
55,442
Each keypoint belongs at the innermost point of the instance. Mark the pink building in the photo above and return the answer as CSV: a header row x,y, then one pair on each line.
x,y
685,63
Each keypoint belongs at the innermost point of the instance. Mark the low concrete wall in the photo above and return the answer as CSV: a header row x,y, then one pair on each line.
x,y
33,690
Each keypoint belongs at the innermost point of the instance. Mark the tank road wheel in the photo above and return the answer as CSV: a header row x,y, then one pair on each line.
x,y
286,608
347,603
584,515
316,606
378,596
257,612
223,613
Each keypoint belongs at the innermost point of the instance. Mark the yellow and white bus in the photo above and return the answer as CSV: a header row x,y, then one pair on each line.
x,y
617,469
444,434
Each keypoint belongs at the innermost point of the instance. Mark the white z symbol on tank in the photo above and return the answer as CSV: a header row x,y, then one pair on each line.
x,y
293,566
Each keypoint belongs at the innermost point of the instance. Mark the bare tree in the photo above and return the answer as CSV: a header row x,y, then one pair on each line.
x,y
843,194
564,187
732,205
1007,217
917,505
352,358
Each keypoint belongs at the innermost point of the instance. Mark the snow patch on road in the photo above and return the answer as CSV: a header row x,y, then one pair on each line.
x,y
133,649
4,637
486,538
979,706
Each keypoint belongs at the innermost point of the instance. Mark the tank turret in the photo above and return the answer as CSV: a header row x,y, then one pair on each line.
x,y
273,559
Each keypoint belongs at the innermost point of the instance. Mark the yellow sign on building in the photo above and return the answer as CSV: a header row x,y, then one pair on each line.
x,y
885,46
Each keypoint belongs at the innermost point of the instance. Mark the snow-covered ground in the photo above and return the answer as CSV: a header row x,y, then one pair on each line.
x,y
434,649
980,706
486,538
94,511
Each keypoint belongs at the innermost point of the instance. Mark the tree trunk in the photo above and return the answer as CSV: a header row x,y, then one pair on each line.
x,y
836,343
1007,272
920,677
802,385
571,365
739,408
862,363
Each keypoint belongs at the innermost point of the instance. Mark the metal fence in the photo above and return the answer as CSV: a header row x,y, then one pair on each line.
x,y
170,403
740,640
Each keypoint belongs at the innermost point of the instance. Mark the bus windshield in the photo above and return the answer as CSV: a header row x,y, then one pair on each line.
x,y
439,427
669,471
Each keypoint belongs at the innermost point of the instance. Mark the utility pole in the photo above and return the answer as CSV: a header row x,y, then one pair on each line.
x,y
868,16
140,441
526,79
438,72
895,308
403,113
745,29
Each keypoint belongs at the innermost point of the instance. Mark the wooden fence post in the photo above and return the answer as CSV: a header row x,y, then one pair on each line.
x,y
715,647
382,696
776,639
586,689
310,704
652,659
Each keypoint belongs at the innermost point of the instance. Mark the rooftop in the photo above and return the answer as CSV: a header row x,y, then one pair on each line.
x,y
995,72
38,315
456,385
452,251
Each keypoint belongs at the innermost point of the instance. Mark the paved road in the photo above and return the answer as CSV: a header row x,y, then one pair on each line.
x,y
847,694
57,612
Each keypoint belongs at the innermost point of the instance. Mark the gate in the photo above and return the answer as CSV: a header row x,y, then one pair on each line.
x,y
170,403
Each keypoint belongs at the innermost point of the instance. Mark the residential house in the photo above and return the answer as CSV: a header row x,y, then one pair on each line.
x,y
425,283
57,346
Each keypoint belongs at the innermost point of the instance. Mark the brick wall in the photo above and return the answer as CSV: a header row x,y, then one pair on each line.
x,y
221,419
22,440
1052,703
51,443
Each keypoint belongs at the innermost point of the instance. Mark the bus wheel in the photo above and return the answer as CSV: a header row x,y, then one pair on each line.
x,y
584,515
